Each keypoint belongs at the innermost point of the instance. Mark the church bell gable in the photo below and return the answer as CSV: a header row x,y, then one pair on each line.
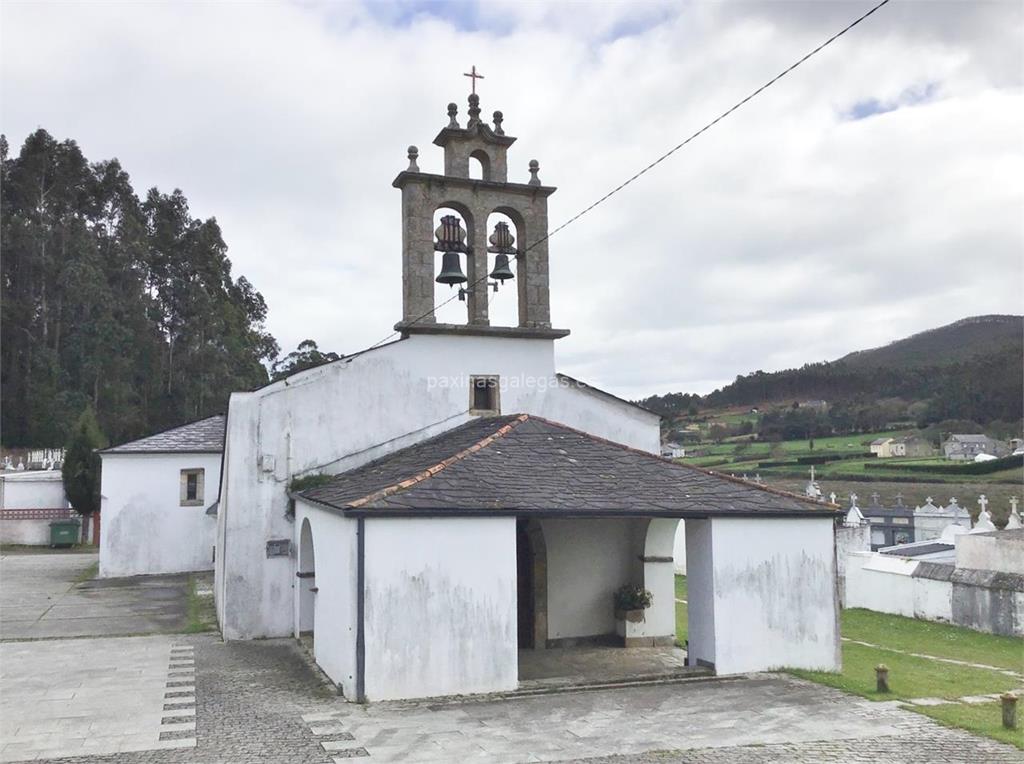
x,y
487,224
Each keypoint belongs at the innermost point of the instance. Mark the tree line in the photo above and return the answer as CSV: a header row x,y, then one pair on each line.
x,y
122,304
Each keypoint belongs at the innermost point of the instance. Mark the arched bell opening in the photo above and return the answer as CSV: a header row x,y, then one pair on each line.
x,y
479,165
504,242
307,583
452,241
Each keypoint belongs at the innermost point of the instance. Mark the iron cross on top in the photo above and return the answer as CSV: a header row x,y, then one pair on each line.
x,y
472,74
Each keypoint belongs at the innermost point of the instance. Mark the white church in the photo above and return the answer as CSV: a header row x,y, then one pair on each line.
x,y
431,510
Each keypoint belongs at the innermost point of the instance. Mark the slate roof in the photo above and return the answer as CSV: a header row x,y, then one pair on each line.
x,y
917,551
522,464
204,436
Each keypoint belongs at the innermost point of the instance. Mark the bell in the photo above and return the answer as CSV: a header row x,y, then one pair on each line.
x,y
451,270
501,270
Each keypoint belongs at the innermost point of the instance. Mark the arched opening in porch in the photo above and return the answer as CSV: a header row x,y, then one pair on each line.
x,y
307,582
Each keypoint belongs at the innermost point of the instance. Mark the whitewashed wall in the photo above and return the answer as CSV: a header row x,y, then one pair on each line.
x,y
880,582
659,579
440,607
29,490
334,618
587,561
774,593
700,587
145,528
679,549
991,551
341,415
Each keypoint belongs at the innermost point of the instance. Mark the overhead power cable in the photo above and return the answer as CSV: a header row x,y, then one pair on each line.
x,y
660,159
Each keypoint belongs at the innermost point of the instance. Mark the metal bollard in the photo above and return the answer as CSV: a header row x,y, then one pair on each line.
x,y
882,678
1009,700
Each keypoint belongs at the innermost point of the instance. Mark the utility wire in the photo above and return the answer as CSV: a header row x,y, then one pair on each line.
x,y
657,161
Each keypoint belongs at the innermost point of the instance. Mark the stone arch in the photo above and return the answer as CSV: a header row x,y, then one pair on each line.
x,y
483,160
455,311
307,580
504,307
532,584
659,575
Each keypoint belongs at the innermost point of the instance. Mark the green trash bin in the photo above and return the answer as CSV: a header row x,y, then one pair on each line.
x,y
64,532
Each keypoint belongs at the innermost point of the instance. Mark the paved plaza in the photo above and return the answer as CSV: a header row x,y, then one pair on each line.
x,y
193,699
42,597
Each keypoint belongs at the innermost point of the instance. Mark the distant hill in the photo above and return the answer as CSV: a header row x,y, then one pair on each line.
x,y
955,343
970,370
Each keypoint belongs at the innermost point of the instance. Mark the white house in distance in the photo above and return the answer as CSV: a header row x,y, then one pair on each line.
x,y
29,501
155,493
433,510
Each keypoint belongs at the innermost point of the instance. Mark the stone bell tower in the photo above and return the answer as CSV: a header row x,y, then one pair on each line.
x,y
474,200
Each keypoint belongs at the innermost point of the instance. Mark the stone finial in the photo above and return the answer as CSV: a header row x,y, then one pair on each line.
x,y
498,119
832,497
899,499
854,518
474,110
984,524
534,169
874,499
453,109
413,154
853,500
983,502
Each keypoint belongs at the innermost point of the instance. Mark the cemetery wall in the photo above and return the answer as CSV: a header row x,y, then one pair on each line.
x,y
336,417
440,608
849,538
29,502
145,528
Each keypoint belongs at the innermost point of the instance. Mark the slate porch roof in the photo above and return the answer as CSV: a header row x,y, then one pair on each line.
x,y
204,436
521,464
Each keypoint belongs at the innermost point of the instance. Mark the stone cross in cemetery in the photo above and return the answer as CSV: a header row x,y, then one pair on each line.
x,y
853,500
832,497
984,523
874,499
1014,522
899,498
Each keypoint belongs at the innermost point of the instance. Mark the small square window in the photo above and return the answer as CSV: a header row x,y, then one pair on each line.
x,y
192,487
483,395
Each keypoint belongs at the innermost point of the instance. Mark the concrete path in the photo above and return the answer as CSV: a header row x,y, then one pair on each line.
x,y
42,596
94,696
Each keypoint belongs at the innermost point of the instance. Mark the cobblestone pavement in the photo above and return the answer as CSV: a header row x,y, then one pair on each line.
x,y
40,599
260,702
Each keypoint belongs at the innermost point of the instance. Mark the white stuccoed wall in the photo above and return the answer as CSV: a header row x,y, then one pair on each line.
x,y
341,415
880,582
773,583
440,609
30,490
679,549
587,561
145,528
334,544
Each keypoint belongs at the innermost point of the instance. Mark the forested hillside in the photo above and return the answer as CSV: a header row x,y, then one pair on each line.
x,y
123,303
970,370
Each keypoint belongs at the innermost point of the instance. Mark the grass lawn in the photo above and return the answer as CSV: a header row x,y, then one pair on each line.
x,y
938,639
681,610
912,677
201,613
982,719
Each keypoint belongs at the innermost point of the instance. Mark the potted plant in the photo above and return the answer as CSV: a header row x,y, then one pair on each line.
x,y
631,602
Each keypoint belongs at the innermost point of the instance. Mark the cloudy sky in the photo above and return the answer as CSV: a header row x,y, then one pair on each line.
x,y
875,192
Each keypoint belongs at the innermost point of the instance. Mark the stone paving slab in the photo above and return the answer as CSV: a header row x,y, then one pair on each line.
x,y
41,598
72,697
259,702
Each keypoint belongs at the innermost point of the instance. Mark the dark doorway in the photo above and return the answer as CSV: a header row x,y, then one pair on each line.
x,y
525,585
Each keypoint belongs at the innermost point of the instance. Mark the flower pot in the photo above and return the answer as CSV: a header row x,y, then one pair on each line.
x,y
630,626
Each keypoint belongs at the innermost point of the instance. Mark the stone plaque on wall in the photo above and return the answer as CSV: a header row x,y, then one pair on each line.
x,y
279,547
